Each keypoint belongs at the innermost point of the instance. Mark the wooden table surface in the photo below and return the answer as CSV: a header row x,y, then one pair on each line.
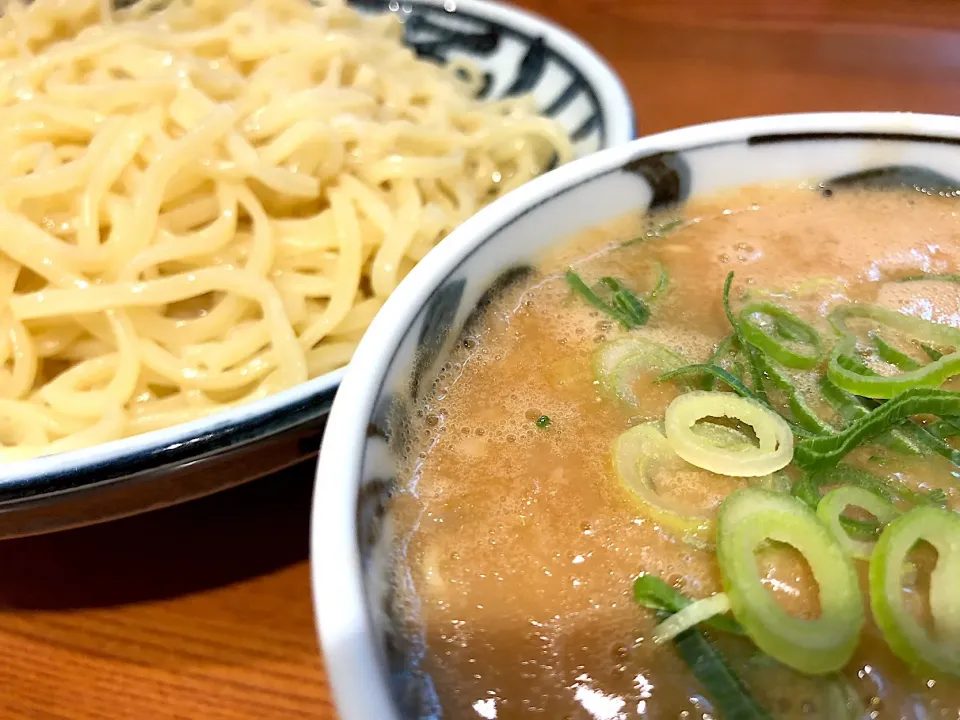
x,y
203,611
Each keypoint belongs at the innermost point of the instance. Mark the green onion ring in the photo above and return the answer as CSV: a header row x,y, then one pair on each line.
x,y
636,454
618,363
773,432
931,375
747,519
803,414
905,636
792,342
832,506
821,452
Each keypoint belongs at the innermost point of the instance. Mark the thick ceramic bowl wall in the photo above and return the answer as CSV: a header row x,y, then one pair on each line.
x,y
367,660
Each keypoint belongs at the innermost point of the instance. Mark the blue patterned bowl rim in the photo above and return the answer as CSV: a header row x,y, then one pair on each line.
x,y
353,654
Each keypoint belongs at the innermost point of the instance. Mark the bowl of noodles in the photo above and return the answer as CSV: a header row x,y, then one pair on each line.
x,y
203,205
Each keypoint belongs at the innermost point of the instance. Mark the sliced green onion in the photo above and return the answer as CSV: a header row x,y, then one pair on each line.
x,y
626,302
930,441
931,352
774,435
850,408
909,325
894,356
943,429
692,615
750,517
637,455
667,227
729,438
880,386
844,404
802,412
820,452
718,373
807,491
624,307
726,351
708,666
932,375
865,530
905,636
781,335
726,690
662,283
831,508
886,489
756,376
618,363
714,371
652,592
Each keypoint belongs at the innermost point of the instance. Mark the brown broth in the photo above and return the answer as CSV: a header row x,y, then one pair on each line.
x,y
522,544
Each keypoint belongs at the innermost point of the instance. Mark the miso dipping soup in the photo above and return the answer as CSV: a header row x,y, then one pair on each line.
x,y
700,465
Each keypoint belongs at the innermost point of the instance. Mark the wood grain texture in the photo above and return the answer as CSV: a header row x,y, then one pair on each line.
x,y
203,611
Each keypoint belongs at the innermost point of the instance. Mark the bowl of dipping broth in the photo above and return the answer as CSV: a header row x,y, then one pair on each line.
x,y
668,431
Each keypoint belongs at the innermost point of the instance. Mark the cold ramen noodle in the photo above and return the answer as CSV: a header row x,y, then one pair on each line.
x,y
203,202
700,465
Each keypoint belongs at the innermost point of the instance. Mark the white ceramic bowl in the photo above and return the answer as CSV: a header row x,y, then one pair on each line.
x,y
351,534
519,53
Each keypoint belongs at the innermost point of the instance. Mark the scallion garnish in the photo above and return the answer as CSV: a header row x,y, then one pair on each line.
x,y
850,408
808,487
694,614
865,530
807,491
943,277
846,373
894,356
802,412
634,452
708,666
756,375
726,351
820,452
735,384
781,335
714,371
731,696
943,429
652,592
774,435
830,511
906,637
931,352
663,281
749,518
623,306
543,422
618,363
